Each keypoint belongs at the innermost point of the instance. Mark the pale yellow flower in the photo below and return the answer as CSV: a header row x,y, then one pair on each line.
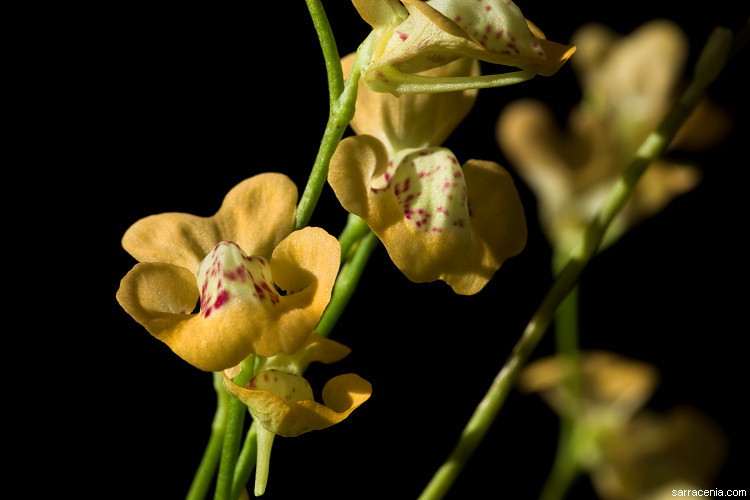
x,y
261,288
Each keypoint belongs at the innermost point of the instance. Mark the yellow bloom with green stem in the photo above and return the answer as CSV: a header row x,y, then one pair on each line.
x,y
260,288
281,401
437,219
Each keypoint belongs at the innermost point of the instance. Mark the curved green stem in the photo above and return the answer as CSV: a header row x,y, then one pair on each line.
x,y
328,46
708,68
204,475
342,112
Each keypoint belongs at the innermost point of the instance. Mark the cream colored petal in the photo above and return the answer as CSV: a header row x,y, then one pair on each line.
x,y
428,38
661,183
256,214
535,145
341,395
637,80
413,120
608,379
380,14
593,43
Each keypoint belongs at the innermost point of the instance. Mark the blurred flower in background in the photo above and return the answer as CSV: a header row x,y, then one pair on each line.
x,y
630,452
627,83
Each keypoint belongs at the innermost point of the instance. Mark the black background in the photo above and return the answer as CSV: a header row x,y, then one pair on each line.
x,y
178,103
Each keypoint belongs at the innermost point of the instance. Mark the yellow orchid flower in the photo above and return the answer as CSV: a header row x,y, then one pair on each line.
x,y
630,452
437,220
628,83
261,287
414,35
281,400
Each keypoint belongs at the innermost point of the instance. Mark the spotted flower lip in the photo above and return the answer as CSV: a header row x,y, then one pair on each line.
x,y
281,401
416,35
436,219
261,287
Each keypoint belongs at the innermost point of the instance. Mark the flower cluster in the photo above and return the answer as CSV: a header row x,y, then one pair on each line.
x,y
242,290
630,452
238,284
627,84
437,219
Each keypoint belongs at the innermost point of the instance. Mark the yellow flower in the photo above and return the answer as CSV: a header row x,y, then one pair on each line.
x,y
437,220
281,401
261,287
630,452
417,36
628,84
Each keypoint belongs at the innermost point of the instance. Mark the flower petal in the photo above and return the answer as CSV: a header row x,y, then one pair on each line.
x,y
413,120
608,379
380,14
256,214
430,37
341,395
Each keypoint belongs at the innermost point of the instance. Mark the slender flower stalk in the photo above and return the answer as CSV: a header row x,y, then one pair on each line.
x,y
205,474
233,436
342,112
709,65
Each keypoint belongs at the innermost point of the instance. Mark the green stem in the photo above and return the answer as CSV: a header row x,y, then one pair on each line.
x,y
346,283
204,476
330,51
245,462
353,232
233,435
342,112
399,83
654,145
564,467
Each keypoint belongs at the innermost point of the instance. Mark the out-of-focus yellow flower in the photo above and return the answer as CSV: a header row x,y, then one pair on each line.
x,y
628,84
281,400
413,36
655,453
261,287
631,453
